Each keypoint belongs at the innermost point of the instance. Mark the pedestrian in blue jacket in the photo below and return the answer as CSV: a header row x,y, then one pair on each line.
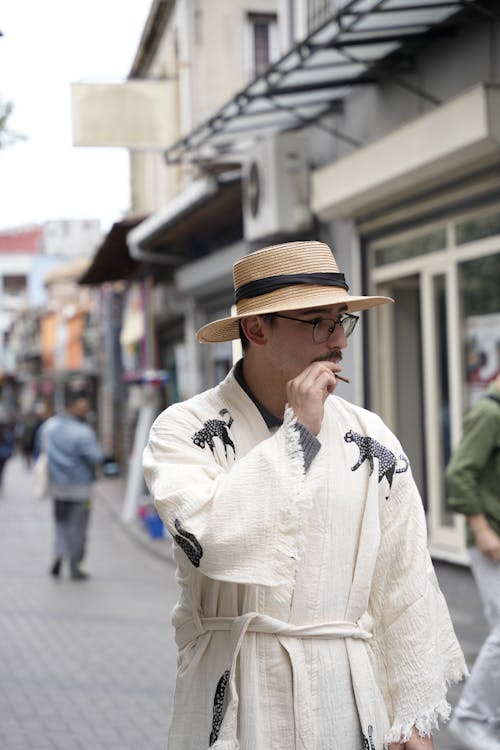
x,y
73,454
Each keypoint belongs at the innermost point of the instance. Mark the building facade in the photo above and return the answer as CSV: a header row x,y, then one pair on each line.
x,y
45,314
372,125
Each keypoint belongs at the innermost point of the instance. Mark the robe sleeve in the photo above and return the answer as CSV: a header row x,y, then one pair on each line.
x,y
414,642
239,522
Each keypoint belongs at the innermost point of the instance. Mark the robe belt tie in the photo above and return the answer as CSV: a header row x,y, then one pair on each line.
x,y
254,622
287,633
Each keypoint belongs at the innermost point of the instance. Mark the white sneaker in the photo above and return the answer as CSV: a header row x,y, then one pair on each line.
x,y
473,735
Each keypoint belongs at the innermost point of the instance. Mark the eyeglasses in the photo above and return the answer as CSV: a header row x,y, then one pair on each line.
x,y
324,327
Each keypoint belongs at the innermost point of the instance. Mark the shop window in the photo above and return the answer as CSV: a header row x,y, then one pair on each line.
x,y
480,304
477,227
262,43
411,248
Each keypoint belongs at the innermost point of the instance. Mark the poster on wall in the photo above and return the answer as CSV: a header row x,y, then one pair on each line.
x,y
482,341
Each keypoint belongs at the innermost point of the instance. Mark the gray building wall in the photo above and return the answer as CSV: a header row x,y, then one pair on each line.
x,y
442,68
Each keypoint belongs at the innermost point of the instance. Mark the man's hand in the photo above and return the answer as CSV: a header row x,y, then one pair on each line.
x,y
487,541
307,393
416,742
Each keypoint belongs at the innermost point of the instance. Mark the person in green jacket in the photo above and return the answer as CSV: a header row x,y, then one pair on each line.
x,y
473,488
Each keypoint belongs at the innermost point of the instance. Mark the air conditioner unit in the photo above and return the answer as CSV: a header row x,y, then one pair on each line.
x,y
276,187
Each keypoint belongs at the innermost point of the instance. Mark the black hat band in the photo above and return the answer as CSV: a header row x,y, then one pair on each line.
x,y
272,283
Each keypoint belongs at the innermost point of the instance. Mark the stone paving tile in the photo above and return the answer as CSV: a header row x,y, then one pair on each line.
x,y
91,666
470,626
81,664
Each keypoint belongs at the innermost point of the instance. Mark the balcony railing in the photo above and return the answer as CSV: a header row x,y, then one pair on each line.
x,y
319,11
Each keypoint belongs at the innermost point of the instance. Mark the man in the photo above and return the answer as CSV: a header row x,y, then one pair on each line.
x,y
73,454
309,615
473,477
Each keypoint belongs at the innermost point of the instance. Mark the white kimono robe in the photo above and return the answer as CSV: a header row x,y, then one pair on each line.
x,y
309,616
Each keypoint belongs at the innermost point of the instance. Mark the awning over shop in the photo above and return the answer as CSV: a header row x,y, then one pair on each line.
x,y
112,261
352,48
457,138
206,214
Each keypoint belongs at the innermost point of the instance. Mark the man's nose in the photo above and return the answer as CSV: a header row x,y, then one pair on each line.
x,y
337,339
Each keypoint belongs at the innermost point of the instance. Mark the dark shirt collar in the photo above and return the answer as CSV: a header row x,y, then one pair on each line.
x,y
269,419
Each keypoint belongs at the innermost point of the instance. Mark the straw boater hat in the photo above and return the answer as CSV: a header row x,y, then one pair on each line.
x,y
292,276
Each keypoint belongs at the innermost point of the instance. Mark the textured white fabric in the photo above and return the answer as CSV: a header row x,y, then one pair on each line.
x,y
308,600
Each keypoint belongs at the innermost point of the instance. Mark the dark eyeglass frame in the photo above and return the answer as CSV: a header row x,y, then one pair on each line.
x,y
345,318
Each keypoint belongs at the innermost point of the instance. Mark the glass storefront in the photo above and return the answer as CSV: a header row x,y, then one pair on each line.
x,y
479,288
439,347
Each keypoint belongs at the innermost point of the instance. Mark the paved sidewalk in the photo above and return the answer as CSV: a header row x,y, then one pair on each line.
x,y
83,665
463,601
91,666
111,492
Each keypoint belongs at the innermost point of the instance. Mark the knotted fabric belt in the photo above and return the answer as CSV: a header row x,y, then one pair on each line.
x,y
290,637
254,622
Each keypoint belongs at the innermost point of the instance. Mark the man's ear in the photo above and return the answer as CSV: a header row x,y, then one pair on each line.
x,y
253,328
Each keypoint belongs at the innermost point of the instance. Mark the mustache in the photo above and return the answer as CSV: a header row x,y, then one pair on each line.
x,y
335,355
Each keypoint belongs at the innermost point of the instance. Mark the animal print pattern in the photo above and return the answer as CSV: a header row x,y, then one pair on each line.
x,y
189,544
215,428
220,693
370,449
368,741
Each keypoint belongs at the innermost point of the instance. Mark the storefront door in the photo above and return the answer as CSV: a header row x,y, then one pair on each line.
x,y
442,391
434,352
413,389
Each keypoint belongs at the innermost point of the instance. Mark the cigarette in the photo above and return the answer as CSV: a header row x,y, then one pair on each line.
x,y
339,377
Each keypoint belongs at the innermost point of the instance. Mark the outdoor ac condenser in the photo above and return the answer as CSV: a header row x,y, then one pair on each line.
x,y
276,187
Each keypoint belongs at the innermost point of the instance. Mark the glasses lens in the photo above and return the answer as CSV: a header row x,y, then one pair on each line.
x,y
325,327
323,330
349,324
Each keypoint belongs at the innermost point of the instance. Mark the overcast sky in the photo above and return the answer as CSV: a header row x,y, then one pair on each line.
x,y
46,45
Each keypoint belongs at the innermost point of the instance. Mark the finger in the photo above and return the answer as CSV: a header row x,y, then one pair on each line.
x,y
332,378
308,379
320,370
323,381
328,364
323,364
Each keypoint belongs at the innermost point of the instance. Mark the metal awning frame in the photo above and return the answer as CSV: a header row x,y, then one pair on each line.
x,y
359,37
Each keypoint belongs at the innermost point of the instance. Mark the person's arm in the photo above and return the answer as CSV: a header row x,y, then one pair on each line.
x,y
463,473
487,540
236,521
89,448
